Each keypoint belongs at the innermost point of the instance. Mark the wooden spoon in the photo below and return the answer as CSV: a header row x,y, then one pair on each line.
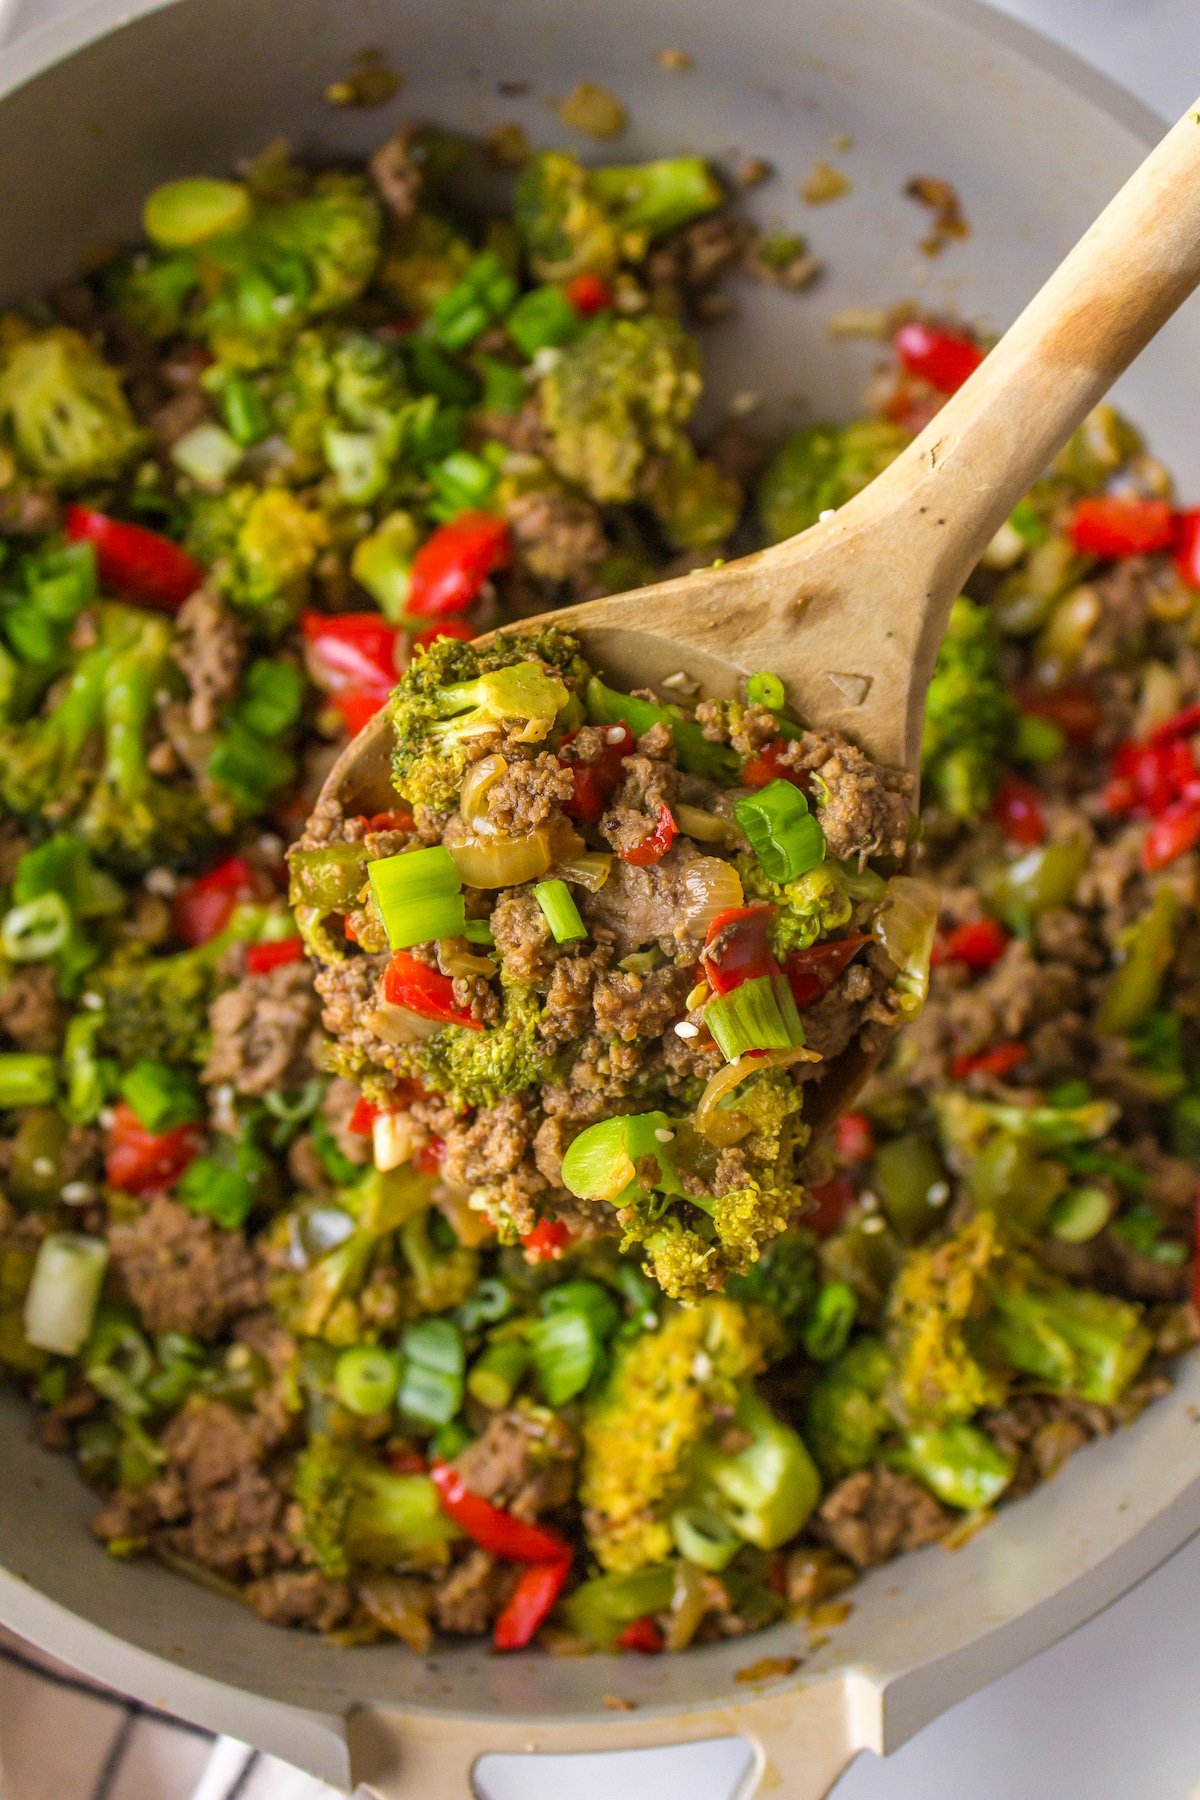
x,y
851,612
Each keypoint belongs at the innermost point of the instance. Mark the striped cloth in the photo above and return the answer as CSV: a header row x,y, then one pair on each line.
x,y
63,1737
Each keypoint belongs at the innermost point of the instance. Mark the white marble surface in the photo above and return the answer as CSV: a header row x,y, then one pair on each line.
x,y
1112,1712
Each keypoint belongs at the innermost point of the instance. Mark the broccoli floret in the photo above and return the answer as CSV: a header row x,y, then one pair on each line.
x,y
427,259
248,292
847,1414
571,218
260,546
1067,1339
639,1434
812,906
970,716
783,1283
823,466
618,396
451,695
477,1068
113,801
62,407
441,1277
696,504
342,403
357,1513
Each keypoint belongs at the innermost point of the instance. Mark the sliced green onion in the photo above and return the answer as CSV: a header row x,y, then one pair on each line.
x,y
830,1322
244,410
419,895
766,690
26,1079
182,213
88,1076
479,931
490,1301
62,581
497,1373
566,1354
248,767
161,1097
461,482
484,293
63,1292
1038,740
37,930
431,1385
366,1379
504,389
783,834
589,1297
224,1195
1080,1214
118,1361
291,1108
560,911
759,1015
704,1537
272,697
207,454
437,375
601,1162
542,319
450,1441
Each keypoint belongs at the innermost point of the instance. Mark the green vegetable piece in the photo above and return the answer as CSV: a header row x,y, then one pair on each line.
x,y
179,214
419,895
366,1378
560,911
356,1512
64,1291
912,1184
599,1609
959,1464
1148,946
63,408
704,1537
542,319
782,833
696,754
831,1321
36,931
208,455
768,1489
1040,881
1038,740
497,1373
970,716
820,467
27,1079
600,1163
1080,1214
161,1096
566,1352
766,690
382,562
761,1014
847,1412
431,1382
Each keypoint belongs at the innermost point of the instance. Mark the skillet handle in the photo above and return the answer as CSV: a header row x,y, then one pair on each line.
x,y
802,1738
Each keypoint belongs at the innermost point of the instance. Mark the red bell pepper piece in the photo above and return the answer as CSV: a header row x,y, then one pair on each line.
x,y
588,293
830,1202
736,948
854,1137
530,1604
351,652
452,628
655,844
362,1119
980,943
761,769
912,407
999,1061
1113,526
1175,831
407,982
942,358
594,781
493,1529
262,958
1187,547
454,562
357,710
812,972
146,1162
405,1462
1017,809
642,1636
201,908
428,1159
1074,709
1183,724
547,1242
1148,778
135,563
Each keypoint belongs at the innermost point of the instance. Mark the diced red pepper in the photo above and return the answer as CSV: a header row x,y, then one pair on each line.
x,y
912,407
137,564
203,907
146,1162
1183,724
351,652
1074,709
398,818
761,769
530,1604
1187,547
405,1462
428,1159
831,1201
594,781
262,958
736,948
357,710
980,943
1114,525
445,628
588,293
942,358
655,844
1148,778
452,564
547,1242
362,1120
998,1062
812,972
493,1529
1017,809
854,1137
642,1636
426,991
1172,834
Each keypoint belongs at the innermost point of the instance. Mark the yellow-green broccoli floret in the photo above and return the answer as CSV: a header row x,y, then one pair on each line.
x,y
571,218
342,402
261,546
357,1513
62,407
618,396
823,466
478,1068
441,1275
812,906
970,716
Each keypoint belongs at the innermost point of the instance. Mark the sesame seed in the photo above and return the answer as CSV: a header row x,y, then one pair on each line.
x,y
93,1002
664,1137
615,734
939,1193
161,882
76,1193
42,1166
685,1029
702,1365
107,1117
827,514
873,1224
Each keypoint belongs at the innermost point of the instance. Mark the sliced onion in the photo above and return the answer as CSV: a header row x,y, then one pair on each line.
x,y
497,862
456,958
905,925
472,801
709,886
705,827
401,1605
399,1024
724,1126
393,1139
588,869
61,1301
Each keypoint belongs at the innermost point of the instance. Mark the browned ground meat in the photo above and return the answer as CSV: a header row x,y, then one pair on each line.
x,y
209,649
864,810
492,1144
31,1013
873,1515
631,1006
1040,1431
557,536
569,996
263,1032
301,1597
642,906
528,794
339,1100
182,1272
473,1593
524,1461
524,942
350,992
645,787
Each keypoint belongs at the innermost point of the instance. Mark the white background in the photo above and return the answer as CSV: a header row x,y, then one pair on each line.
x,y
1113,1713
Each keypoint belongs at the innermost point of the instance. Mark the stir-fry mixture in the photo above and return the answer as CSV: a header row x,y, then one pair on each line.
x,y
450,1256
